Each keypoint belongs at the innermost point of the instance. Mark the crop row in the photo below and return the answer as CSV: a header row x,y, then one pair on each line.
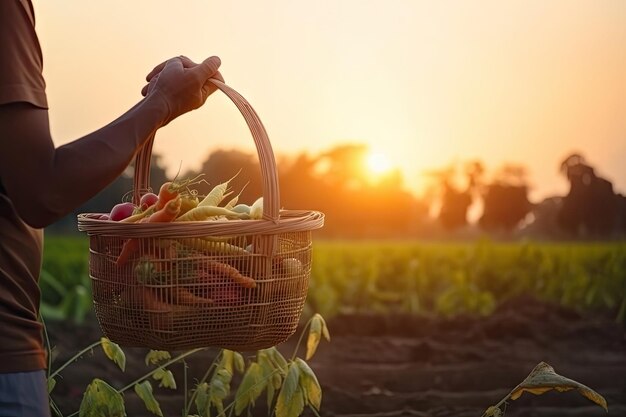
x,y
406,277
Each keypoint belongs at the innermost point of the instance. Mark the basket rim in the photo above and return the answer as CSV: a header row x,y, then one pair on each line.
x,y
288,221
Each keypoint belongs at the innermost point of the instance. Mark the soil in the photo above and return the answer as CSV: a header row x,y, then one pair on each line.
x,y
388,366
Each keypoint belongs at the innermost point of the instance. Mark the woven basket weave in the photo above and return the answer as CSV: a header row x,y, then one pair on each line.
x,y
249,277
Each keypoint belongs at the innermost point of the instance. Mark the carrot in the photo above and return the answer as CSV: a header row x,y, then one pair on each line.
x,y
131,246
202,213
167,192
168,213
214,268
182,296
160,314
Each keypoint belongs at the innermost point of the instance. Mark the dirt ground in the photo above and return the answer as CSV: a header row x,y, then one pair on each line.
x,y
412,366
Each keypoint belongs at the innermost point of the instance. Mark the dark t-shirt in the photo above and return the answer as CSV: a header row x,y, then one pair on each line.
x,y
21,80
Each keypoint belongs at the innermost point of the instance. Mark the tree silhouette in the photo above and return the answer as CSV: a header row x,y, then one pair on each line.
x,y
455,201
454,205
545,219
591,208
505,200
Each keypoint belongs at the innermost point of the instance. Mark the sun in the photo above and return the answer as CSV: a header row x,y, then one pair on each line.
x,y
378,163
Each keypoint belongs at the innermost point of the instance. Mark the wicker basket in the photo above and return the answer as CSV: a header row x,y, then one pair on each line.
x,y
237,284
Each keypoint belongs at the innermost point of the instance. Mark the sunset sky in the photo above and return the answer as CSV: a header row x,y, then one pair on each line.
x,y
425,82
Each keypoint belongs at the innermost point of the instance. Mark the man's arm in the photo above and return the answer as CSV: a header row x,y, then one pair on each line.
x,y
45,183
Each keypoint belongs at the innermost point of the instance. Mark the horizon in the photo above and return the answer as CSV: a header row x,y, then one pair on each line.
x,y
423,84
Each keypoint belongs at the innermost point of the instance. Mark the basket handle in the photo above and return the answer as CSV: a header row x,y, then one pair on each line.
x,y
269,174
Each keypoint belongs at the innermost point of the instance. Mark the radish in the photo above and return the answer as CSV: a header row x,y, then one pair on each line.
x,y
148,200
121,211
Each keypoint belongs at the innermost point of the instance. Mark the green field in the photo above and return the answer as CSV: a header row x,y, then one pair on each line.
x,y
384,277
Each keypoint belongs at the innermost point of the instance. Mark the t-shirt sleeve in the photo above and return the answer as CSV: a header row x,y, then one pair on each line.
x,y
21,63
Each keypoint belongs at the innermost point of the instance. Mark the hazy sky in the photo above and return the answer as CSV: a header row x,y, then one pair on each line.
x,y
425,82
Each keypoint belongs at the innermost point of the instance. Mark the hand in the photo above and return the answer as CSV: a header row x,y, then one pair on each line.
x,y
182,84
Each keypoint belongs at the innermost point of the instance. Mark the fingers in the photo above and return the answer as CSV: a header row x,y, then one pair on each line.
x,y
173,62
218,76
144,90
209,88
208,67
155,71
187,63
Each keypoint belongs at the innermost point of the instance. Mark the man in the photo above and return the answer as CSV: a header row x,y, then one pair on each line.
x,y
63,178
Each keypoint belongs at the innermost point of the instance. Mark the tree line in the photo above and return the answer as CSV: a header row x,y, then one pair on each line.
x,y
337,183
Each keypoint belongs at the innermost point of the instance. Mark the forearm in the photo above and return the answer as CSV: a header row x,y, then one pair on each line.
x,y
56,181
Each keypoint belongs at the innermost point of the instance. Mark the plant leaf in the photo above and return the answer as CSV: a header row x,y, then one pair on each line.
x,y
315,335
166,378
310,385
278,359
144,391
250,388
239,362
202,399
493,411
155,356
101,399
325,331
273,386
227,361
114,352
219,388
290,401
272,371
51,384
543,379
271,390
159,374
277,381
264,360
